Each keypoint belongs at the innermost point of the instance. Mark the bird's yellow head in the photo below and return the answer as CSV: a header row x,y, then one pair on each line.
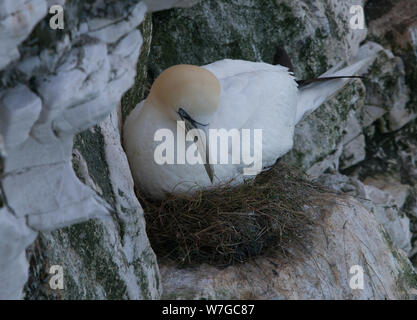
x,y
186,91
190,94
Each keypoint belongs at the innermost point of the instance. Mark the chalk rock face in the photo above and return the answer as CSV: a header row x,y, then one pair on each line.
x,y
58,83
15,237
103,259
348,240
17,19
383,196
55,84
382,101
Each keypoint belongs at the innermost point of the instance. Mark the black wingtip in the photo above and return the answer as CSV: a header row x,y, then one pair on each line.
x,y
302,83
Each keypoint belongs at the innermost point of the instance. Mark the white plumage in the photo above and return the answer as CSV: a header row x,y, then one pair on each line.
x,y
253,95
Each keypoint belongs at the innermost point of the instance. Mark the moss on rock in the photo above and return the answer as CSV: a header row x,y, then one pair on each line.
x,y
139,90
250,30
318,136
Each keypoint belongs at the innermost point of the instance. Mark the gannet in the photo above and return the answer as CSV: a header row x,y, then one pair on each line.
x,y
227,94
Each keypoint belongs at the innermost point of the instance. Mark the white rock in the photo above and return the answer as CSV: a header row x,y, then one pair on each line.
x,y
17,19
352,129
371,113
384,197
55,184
13,277
7,7
28,65
128,207
129,44
113,32
353,152
330,163
15,236
35,152
348,237
368,49
393,97
399,115
2,147
76,86
387,214
89,207
19,109
398,191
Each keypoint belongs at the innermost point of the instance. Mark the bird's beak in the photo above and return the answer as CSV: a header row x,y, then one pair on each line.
x,y
201,142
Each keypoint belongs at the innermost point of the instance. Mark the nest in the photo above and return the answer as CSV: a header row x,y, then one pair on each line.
x,y
271,214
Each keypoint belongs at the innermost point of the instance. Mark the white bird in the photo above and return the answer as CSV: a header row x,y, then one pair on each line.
x,y
228,94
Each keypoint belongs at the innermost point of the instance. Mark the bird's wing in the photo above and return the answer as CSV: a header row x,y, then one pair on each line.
x,y
245,89
311,96
229,68
257,96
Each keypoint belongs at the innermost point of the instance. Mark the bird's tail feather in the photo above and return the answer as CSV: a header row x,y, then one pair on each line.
x,y
314,92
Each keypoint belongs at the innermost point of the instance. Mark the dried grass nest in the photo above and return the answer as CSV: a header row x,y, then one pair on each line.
x,y
271,214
